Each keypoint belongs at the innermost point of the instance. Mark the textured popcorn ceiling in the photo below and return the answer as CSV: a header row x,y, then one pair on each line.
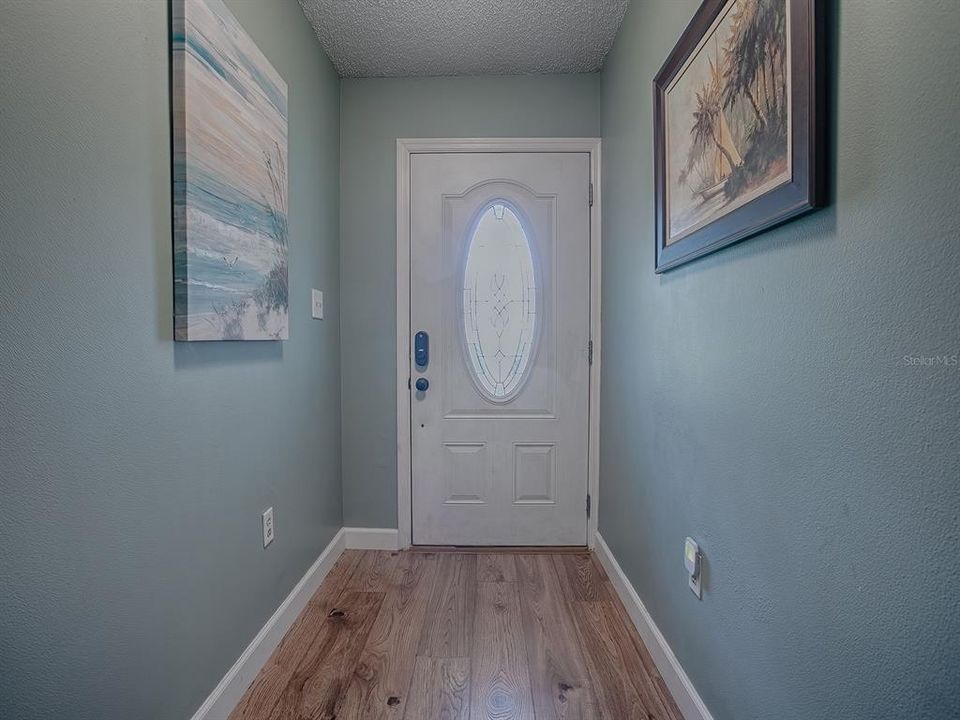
x,y
369,38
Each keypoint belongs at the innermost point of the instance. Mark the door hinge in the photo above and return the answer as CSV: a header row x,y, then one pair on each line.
x,y
590,352
591,194
588,504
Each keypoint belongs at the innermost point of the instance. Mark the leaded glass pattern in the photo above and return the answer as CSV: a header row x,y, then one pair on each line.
x,y
499,303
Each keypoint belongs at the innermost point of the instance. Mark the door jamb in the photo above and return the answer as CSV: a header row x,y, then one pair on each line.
x,y
407,147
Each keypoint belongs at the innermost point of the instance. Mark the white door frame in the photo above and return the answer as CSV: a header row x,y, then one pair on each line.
x,y
407,147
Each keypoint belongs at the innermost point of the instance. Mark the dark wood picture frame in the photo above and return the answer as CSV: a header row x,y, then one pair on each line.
x,y
806,189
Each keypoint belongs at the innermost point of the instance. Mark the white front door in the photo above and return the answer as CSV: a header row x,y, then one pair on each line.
x,y
500,294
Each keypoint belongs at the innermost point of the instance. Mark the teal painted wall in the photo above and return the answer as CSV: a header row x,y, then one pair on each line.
x,y
132,470
763,399
374,113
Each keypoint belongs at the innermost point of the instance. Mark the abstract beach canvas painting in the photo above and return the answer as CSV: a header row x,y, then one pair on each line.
x,y
230,180
728,116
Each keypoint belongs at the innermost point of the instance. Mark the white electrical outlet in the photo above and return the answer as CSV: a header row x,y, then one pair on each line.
x,y
693,562
316,309
266,520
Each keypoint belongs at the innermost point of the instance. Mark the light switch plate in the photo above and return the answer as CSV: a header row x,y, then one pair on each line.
x,y
316,299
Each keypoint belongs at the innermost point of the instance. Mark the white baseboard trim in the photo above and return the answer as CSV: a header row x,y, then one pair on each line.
x,y
670,669
372,538
227,694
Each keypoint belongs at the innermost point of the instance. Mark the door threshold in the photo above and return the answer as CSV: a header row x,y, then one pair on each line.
x,y
504,549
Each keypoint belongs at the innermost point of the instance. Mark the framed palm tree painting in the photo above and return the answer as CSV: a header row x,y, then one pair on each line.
x,y
739,125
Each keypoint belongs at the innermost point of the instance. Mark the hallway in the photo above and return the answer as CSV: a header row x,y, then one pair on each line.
x,y
461,635
476,360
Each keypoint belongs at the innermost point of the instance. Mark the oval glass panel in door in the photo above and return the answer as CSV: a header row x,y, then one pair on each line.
x,y
499,304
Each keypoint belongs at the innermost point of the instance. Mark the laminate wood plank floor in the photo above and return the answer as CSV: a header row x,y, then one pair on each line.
x,y
448,635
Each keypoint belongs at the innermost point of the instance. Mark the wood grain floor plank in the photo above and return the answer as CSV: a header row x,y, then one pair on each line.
x,y
499,676
262,696
375,573
655,685
294,644
561,685
620,681
448,629
264,692
583,578
318,682
440,690
496,567
379,686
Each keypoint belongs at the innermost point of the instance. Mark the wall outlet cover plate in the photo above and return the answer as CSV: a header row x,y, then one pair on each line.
x,y
266,522
693,562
